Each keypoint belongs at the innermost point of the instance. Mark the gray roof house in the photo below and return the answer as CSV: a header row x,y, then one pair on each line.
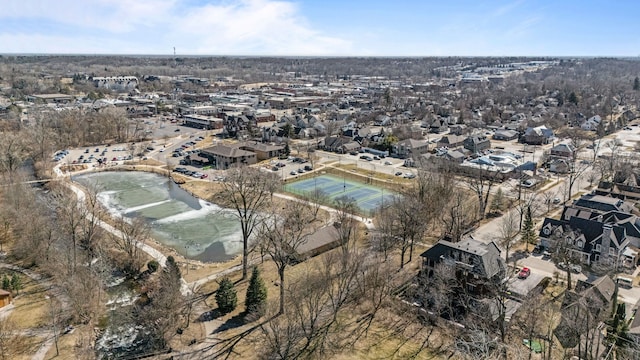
x,y
537,135
477,143
563,151
410,147
473,260
505,135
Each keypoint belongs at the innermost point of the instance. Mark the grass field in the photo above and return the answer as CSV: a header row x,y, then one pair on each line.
x,y
367,197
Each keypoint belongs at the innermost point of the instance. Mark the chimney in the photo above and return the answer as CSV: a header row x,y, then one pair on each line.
x,y
606,240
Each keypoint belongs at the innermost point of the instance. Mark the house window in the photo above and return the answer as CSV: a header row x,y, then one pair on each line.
x,y
579,243
596,257
597,248
569,241
612,251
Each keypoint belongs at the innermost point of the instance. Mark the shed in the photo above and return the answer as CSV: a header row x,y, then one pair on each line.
x,y
5,298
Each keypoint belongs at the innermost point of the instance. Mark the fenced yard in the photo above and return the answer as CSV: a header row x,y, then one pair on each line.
x,y
367,197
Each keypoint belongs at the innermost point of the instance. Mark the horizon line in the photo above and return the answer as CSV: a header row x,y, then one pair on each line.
x,y
320,56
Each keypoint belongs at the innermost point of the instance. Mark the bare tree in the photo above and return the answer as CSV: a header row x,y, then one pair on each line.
x,y
283,233
562,244
130,235
458,215
508,231
481,185
248,192
12,153
91,229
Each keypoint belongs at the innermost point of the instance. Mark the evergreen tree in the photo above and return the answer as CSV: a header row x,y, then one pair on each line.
x,y
6,283
256,301
498,200
636,84
618,329
573,98
226,296
171,274
287,150
16,283
528,233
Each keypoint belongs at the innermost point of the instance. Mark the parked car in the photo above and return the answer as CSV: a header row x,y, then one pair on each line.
x,y
204,176
293,173
524,273
387,163
398,173
376,158
575,268
308,168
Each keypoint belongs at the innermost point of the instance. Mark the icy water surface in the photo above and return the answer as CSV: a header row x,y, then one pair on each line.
x,y
194,228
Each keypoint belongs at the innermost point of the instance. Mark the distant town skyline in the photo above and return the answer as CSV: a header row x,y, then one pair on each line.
x,y
322,28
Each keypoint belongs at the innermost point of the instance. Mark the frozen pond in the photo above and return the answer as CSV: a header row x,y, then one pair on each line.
x,y
194,228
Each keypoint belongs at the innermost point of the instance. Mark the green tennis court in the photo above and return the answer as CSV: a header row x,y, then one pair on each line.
x,y
367,197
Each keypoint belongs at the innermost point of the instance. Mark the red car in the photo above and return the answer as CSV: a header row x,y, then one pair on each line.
x,y
204,176
524,273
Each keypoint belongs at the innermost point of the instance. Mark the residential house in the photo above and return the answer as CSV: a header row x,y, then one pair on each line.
x,y
275,133
451,141
409,148
603,204
559,166
597,229
505,135
223,157
582,311
339,144
537,135
589,241
477,143
562,151
474,261
455,156
592,123
438,126
458,129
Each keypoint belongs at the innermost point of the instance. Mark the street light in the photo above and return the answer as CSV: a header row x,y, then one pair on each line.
x,y
53,323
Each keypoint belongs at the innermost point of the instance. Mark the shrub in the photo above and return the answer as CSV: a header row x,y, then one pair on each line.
x,y
153,266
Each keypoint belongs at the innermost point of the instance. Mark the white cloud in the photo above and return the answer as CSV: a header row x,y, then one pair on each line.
x,y
244,27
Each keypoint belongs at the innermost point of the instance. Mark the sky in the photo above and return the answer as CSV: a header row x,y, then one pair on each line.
x,y
322,27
